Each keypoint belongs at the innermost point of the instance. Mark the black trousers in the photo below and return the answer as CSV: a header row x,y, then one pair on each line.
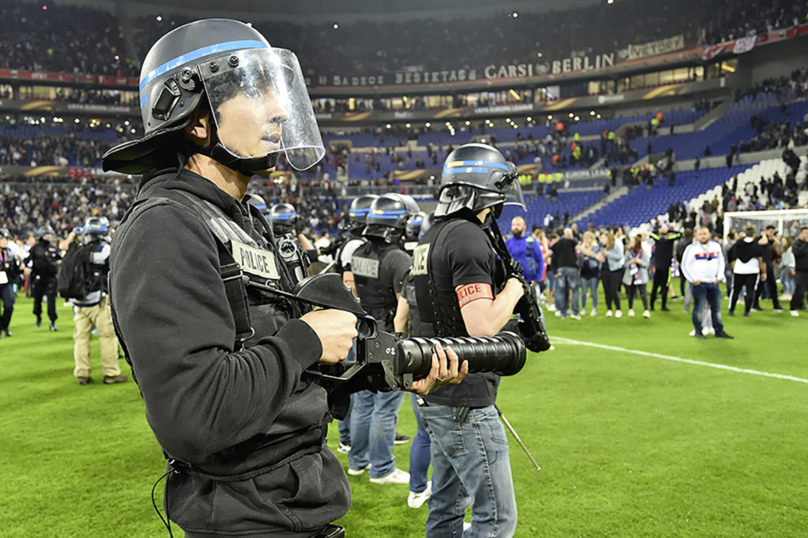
x,y
771,285
740,281
633,290
7,299
611,286
45,287
800,287
661,280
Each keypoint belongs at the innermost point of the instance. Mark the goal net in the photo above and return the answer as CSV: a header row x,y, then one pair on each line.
x,y
787,222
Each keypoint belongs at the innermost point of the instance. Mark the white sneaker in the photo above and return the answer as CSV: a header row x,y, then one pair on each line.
x,y
551,308
416,500
609,313
583,311
692,333
708,331
618,314
396,477
785,297
631,312
595,313
343,448
575,317
357,472
646,314
794,313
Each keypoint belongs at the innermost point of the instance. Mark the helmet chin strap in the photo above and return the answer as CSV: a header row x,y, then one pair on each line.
x,y
246,166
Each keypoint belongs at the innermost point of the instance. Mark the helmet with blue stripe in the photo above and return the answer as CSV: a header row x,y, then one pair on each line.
x,y
475,177
358,212
257,97
259,203
389,215
95,227
283,218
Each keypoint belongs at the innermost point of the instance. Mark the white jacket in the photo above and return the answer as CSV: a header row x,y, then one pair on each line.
x,y
703,263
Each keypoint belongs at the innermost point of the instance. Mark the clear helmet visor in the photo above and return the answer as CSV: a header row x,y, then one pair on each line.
x,y
515,195
261,106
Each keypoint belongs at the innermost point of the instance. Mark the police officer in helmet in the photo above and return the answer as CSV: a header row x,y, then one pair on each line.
x,y
219,360
44,260
458,294
379,267
357,220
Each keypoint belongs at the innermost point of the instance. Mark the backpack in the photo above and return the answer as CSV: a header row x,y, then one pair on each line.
x,y
73,281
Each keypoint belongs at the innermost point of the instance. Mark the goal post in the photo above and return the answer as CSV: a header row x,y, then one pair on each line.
x,y
786,221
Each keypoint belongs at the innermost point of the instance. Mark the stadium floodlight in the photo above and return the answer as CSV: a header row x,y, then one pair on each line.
x,y
539,54
529,118
572,115
132,130
388,125
577,118
159,18
336,26
549,117
610,2
591,112
514,14
598,116
77,120
408,126
508,120
427,125
468,122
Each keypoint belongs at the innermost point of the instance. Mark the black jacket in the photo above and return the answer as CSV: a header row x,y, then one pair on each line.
x,y
800,251
222,411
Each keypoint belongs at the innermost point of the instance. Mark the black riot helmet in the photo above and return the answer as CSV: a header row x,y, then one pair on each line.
x,y
413,229
389,215
283,218
474,177
44,231
358,212
256,94
259,203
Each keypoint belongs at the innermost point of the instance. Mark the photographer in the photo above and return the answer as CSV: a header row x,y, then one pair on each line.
x,y
458,293
218,357
44,260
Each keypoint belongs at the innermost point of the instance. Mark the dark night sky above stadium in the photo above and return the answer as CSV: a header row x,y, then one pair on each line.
x,y
302,7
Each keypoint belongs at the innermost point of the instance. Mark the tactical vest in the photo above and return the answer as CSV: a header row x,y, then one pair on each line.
x,y
302,425
417,328
377,297
439,313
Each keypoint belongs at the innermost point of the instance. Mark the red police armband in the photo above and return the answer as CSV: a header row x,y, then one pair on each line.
x,y
472,292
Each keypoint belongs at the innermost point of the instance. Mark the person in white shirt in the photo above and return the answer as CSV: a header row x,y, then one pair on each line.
x,y
703,267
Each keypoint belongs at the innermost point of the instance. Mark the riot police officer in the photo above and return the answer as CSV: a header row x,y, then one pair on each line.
x,y
379,267
44,260
357,220
218,355
458,294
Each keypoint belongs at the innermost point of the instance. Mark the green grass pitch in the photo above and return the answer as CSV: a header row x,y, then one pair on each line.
x,y
629,444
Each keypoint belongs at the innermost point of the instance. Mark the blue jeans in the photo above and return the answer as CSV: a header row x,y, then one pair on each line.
x,y
373,431
787,281
712,294
586,285
566,280
470,466
419,452
551,280
344,425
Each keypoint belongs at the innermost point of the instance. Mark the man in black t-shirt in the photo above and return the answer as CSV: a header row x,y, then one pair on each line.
x,y
663,257
771,254
566,262
454,267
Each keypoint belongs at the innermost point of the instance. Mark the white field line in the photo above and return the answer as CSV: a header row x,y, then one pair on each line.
x,y
558,340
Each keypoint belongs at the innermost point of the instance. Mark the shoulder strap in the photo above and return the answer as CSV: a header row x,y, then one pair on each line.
x,y
224,232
